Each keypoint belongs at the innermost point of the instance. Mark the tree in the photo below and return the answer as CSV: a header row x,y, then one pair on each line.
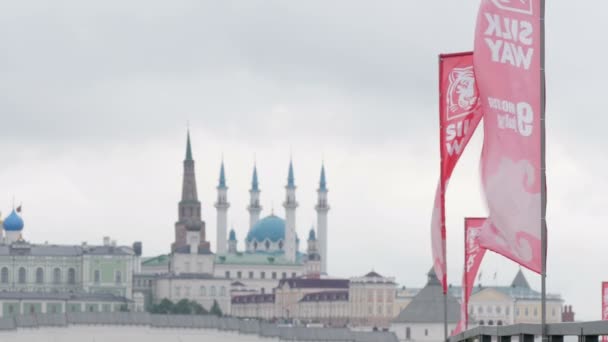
x,y
198,309
183,307
215,309
164,307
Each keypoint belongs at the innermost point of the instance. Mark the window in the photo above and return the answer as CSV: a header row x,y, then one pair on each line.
x,y
490,322
507,311
11,309
267,245
187,267
22,276
239,274
263,275
499,322
39,275
379,310
408,333
517,311
284,275
223,291
274,275
71,276
553,312
535,312
480,310
498,310
32,309
118,277
255,245
526,312
187,291
97,276
178,291
91,308
56,275
213,291
481,322
426,332
202,291
4,275
250,275
227,274
489,309
281,245
293,275
53,309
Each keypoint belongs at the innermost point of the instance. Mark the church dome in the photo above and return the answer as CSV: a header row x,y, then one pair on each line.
x,y
13,222
270,227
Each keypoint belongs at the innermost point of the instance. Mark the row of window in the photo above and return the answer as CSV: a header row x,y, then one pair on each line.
x,y
490,322
266,245
22,277
498,310
117,277
202,291
273,275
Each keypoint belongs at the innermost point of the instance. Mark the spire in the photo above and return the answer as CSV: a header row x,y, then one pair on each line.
x,y
520,280
222,184
188,148
290,178
322,182
254,179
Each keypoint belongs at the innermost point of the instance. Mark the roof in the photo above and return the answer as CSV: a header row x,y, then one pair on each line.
x,y
290,178
24,248
159,260
269,228
222,184
520,280
325,296
321,283
428,305
253,298
206,276
373,274
322,182
254,180
13,222
98,297
188,148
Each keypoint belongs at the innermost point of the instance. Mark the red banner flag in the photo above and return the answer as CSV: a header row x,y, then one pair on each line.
x,y
473,255
459,116
508,69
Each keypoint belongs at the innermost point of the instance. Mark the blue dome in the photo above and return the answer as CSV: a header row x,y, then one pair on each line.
x,y
232,236
270,227
13,222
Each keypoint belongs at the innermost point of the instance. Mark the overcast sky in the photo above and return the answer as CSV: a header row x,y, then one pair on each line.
x,y
95,98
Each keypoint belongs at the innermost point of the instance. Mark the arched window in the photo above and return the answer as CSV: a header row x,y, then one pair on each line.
x,y
56,275
22,275
408,333
212,291
203,291
71,276
39,275
499,322
507,311
480,310
498,310
526,312
490,322
535,312
222,291
255,245
426,332
97,276
481,322
118,277
4,275
280,244
267,244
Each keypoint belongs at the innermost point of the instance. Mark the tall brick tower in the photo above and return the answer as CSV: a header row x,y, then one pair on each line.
x,y
189,208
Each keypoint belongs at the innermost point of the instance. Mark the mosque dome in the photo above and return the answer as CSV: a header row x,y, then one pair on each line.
x,y
13,222
270,227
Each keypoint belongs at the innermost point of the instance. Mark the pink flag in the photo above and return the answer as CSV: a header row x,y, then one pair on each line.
x,y
473,254
459,116
604,305
507,67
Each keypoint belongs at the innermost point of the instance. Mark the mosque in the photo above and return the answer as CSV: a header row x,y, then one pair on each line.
x,y
271,249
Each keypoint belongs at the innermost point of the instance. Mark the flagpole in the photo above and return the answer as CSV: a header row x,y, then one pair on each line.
x,y
442,199
466,279
543,176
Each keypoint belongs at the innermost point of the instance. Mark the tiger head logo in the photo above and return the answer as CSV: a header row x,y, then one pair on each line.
x,y
462,94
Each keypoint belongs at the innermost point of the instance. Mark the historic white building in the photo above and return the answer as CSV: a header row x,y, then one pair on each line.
x,y
271,249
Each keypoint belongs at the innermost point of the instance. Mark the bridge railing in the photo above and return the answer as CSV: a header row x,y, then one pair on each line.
x,y
227,324
556,332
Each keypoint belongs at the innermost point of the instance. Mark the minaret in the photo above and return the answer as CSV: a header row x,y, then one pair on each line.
x,y
313,263
232,243
290,206
189,208
322,208
222,206
254,206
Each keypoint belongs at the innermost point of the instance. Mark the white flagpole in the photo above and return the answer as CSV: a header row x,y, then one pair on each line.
x,y
543,190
